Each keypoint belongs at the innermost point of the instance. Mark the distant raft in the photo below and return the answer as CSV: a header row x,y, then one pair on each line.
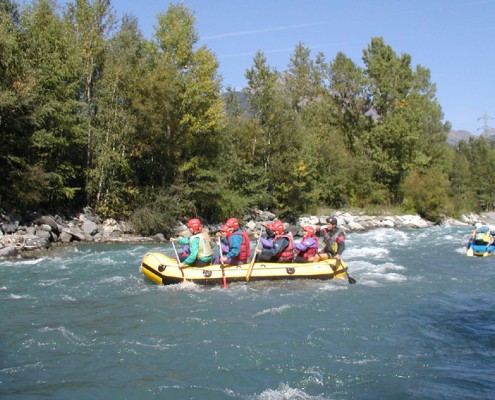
x,y
162,269
480,250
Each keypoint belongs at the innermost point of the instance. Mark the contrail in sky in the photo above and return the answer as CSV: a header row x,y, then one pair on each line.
x,y
288,49
279,28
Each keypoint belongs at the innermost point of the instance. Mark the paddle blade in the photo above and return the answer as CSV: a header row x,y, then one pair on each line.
x,y
470,252
352,281
224,282
250,269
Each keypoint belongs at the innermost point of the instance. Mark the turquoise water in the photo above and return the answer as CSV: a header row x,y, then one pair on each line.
x,y
84,323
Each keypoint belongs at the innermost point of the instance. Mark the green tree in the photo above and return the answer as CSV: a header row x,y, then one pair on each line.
x,y
179,110
427,194
112,183
90,24
408,133
349,105
302,79
278,148
16,98
56,138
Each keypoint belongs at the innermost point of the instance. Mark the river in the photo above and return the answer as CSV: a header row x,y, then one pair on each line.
x,y
83,323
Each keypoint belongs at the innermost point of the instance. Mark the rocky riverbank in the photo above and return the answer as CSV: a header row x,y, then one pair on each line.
x,y
40,232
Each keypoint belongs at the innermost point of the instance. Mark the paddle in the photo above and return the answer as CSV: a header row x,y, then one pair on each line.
x,y
253,260
486,250
470,252
351,280
178,263
224,279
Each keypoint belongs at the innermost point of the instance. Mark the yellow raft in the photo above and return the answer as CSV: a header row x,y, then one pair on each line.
x,y
162,269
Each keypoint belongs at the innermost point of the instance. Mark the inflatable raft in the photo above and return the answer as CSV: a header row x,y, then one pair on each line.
x,y
480,250
162,269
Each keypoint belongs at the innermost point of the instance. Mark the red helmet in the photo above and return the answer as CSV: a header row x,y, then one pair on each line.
x,y
310,231
225,228
278,227
232,223
194,224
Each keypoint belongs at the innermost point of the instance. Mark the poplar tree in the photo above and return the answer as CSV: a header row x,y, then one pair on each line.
x,y
91,23
112,184
408,128
181,111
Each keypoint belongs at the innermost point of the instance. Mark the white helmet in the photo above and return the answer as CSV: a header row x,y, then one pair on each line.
x,y
478,225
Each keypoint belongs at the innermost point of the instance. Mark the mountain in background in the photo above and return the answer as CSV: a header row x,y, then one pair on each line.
x,y
454,137
489,134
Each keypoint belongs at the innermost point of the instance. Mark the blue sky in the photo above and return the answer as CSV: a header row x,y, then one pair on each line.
x,y
454,39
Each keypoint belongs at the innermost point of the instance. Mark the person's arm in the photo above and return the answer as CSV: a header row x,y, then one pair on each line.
x,y
278,245
301,246
235,246
266,243
340,246
183,241
193,252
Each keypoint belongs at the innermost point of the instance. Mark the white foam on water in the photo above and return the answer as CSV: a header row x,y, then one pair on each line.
x,y
374,275
21,262
285,392
367,252
107,261
22,368
158,346
66,297
13,296
384,235
389,277
186,286
313,377
66,333
334,285
50,282
274,310
114,279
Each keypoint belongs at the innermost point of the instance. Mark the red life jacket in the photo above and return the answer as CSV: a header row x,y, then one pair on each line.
x,y
245,251
310,251
287,254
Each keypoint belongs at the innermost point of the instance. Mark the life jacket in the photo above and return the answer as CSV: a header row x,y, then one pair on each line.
x,y
205,249
245,251
310,250
287,254
482,235
330,240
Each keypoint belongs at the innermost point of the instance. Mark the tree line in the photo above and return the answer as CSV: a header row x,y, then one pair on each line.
x,y
92,113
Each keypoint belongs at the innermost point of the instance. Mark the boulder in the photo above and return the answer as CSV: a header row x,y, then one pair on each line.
x,y
159,238
89,228
9,228
32,242
76,233
9,251
65,237
43,234
47,220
